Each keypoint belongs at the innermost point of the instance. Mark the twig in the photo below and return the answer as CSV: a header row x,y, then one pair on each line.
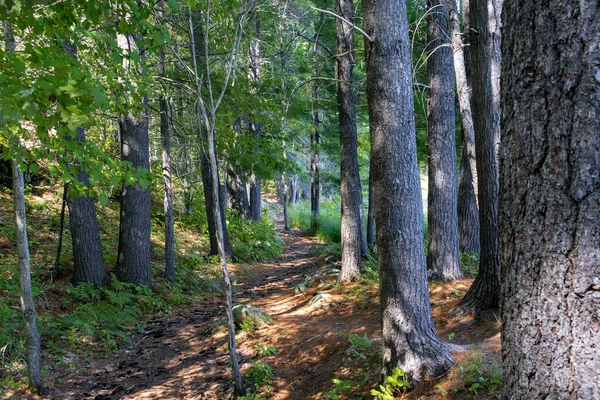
x,y
343,19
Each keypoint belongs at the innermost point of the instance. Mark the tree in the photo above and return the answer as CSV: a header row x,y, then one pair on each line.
x,y
443,261
165,136
468,213
486,58
83,222
85,234
550,200
409,337
315,137
134,253
27,304
353,237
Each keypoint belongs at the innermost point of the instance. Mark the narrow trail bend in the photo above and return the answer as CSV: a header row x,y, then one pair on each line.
x,y
184,355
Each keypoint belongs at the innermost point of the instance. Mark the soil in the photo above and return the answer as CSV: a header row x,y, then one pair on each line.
x,y
184,355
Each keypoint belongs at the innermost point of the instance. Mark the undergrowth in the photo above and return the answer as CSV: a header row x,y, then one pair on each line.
x,y
328,221
254,240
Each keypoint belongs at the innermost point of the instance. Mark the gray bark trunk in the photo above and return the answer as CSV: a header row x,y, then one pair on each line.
x,y
255,200
409,337
237,195
468,212
443,261
27,305
83,222
315,139
486,58
550,200
371,216
351,191
134,263
85,233
165,136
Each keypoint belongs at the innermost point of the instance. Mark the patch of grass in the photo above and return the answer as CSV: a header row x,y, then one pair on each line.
x,y
481,376
328,221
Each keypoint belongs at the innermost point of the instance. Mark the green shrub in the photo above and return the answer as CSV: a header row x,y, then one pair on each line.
x,y
328,221
253,240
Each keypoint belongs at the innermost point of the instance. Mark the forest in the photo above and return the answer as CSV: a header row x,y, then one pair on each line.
x,y
300,199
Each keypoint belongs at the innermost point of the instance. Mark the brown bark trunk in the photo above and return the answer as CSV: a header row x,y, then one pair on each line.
x,y
443,261
409,337
550,200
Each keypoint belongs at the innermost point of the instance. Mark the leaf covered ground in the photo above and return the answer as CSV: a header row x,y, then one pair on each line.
x,y
323,350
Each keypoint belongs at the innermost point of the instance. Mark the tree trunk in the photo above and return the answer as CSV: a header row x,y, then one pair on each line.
x,y
315,138
371,216
85,233
443,261
409,337
486,58
255,200
167,183
550,200
351,191
286,219
27,305
134,264
468,213
280,189
293,189
237,195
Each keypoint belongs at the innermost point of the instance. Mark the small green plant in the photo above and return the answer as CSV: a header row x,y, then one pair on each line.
x,y
360,343
253,240
478,378
266,351
260,373
248,325
340,387
443,392
451,335
392,384
470,264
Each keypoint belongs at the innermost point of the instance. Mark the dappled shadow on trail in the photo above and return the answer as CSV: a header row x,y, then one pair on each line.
x,y
185,355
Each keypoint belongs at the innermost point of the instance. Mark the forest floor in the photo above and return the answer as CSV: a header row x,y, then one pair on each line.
x,y
184,355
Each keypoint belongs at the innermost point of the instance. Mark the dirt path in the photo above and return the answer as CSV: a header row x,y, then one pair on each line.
x,y
184,355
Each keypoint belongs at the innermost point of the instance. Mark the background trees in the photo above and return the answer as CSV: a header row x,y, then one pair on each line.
x,y
550,199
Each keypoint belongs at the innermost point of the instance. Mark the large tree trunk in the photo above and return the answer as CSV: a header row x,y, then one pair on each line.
x,y
255,127
27,305
85,233
351,191
255,198
165,136
134,262
409,337
485,41
443,261
550,200
468,213
134,254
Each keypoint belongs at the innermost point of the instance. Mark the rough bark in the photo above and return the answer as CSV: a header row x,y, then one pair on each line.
x,y
550,200
408,334
485,42
371,216
468,213
83,222
134,254
27,304
351,191
443,261
85,234
286,219
254,72
237,195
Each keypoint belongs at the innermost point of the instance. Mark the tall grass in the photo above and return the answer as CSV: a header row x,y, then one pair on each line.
x,y
328,221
